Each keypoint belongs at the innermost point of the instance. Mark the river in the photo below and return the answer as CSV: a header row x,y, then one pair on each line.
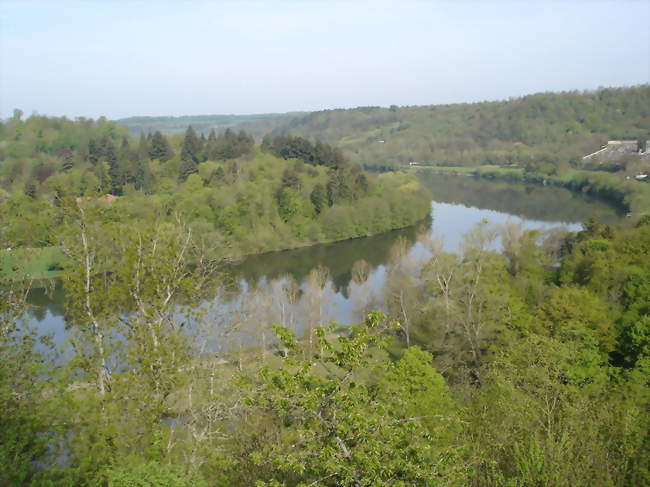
x,y
458,204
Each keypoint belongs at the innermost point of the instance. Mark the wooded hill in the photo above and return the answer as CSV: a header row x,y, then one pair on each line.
x,y
552,127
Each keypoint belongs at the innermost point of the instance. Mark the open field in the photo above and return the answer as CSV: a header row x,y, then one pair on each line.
x,y
31,263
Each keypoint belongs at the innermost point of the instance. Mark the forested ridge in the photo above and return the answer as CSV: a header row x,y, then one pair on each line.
x,y
481,368
238,198
558,128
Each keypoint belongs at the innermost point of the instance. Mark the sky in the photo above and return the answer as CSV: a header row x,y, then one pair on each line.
x,y
120,58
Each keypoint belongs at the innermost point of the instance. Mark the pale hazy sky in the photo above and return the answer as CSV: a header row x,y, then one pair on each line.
x,y
128,57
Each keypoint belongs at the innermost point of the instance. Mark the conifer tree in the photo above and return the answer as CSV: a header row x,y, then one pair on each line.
x,y
191,146
93,155
160,148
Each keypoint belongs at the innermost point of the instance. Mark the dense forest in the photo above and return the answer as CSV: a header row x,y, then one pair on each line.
x,y
522,367
554,128
236,197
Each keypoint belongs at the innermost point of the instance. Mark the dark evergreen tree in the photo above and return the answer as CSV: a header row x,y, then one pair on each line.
x,y
292,147
115,173
159,147
190,152
107,150
93,153
229,145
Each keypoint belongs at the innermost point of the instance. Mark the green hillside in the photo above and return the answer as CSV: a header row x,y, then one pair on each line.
x,y
547,127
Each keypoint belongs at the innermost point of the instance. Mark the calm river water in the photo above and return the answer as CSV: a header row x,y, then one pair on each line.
x,y
458,204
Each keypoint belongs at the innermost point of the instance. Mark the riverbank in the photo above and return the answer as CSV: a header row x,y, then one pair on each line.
x,y
633,196
42,264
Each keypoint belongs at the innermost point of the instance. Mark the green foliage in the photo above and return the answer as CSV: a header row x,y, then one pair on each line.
x,y
290,147
191,148
317,198
536,131
547,415
240,199
362,433
147,475
571,311
26,413
228,145
160,148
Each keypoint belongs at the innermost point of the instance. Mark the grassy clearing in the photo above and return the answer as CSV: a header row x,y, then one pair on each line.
x,y
31,263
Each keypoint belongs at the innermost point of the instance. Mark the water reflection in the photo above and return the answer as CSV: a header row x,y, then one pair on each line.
x,y
459,204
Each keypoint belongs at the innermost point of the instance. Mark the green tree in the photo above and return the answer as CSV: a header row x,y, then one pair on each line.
x,y
318,198
150,474
160,149
191,148
547,406
335,428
